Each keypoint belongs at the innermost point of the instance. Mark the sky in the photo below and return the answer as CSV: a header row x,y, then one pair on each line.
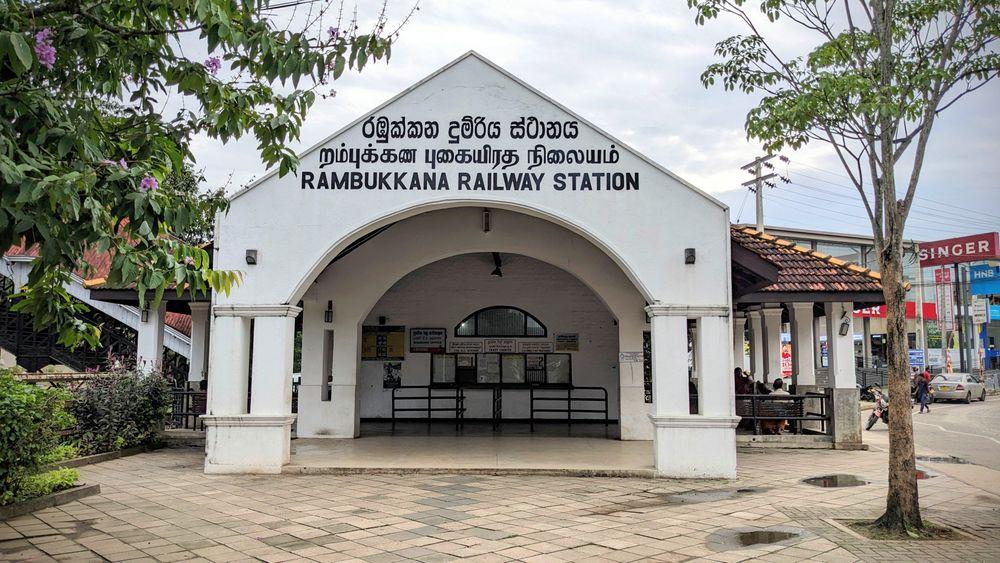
x,y
632,68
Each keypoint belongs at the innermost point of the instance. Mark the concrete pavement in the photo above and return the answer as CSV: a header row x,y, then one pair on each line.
x,y
159,506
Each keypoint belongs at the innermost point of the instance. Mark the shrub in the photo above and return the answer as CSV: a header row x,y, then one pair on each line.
x,y
31,419
121,409
61,452
41,484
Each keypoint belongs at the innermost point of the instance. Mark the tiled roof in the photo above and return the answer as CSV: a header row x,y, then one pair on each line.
x,y
100,266
802,269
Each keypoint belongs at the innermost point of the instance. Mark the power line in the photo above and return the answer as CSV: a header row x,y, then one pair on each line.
x,y
868,184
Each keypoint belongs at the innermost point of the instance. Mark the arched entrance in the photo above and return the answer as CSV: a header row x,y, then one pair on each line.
x,y
561,267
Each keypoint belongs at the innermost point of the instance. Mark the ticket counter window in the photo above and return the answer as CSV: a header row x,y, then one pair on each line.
x,y
506,370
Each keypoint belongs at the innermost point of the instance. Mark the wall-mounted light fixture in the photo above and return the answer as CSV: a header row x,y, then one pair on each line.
x,y
689,256
251,256
328,314
144,315
382,319
845,324
487,221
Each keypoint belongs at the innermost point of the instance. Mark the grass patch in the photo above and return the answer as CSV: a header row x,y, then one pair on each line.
x,y
931,532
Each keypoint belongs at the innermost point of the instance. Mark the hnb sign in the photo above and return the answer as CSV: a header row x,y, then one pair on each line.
x,y
985,280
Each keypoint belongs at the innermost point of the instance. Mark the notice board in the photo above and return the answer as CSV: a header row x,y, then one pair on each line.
x,y
383,343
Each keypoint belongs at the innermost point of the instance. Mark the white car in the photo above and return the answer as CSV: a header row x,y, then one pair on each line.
x,y
958,387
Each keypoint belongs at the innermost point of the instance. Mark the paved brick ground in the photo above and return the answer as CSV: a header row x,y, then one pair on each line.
x,y
158,506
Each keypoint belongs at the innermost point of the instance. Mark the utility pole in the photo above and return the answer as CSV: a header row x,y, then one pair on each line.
x,y
757,184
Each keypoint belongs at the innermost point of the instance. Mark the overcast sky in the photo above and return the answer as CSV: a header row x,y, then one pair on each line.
x,y
632,68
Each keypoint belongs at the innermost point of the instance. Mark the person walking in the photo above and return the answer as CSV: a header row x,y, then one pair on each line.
x,y
924,391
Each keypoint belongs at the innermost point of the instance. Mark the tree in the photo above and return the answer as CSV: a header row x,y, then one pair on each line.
x,y
85,144
880,74
186,185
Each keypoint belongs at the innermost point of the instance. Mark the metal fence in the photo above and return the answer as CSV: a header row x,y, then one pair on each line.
x,y
872,376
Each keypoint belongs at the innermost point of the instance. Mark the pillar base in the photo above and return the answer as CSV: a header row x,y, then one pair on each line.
x,y
695,446
846,423
247,443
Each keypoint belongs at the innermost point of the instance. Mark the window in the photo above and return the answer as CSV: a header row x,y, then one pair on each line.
x,y
502,369
500,321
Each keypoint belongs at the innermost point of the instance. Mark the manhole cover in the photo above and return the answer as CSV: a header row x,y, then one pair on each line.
x,y
764,536
836,480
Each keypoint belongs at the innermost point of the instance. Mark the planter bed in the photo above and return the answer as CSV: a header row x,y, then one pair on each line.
x,y
48,501
97,458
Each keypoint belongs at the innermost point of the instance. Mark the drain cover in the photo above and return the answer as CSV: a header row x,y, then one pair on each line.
x,y
941,459
836,480
764,536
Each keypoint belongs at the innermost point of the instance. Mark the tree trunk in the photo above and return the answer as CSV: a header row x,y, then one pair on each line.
x,y
902,506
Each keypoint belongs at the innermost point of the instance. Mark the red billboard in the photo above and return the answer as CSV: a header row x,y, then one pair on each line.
x,y
878,312
985,246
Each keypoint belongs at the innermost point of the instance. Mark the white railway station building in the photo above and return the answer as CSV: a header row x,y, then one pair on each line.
x,y
473,234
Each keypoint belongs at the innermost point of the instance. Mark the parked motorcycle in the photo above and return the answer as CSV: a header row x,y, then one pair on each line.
x,y
880,410
867,393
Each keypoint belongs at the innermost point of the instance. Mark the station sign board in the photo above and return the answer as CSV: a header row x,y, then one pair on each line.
x,y
972,248
917,358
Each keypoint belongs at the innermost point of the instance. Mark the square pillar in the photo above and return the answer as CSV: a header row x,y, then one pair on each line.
x,y
687,445
271,375
229,365
149,339
716,390
345,419
757,344
739,340
846,424
772,344
198,360
803,360
258,442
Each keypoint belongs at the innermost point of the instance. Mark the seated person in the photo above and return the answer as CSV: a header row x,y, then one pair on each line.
x,y
775,426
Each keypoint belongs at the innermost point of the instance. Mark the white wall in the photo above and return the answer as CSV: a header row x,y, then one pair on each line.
x,y
298,231
442,294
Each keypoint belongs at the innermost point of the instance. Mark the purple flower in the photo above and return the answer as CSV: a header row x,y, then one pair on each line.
x,y
44,50
334,32
148,183
189,261
123,164
333,93
213,64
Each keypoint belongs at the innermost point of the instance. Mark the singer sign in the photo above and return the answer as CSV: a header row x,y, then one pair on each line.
x,y
985,246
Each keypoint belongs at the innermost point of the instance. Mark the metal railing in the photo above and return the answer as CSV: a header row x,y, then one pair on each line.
x,y
872,376
565,404
432,398
188,406
758,410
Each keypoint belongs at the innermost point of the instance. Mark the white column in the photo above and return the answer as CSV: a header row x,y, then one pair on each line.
x,y
313,410
846,424
669,357
840,347
345,419
271,375
20,267
866,344
817,345
803,360
228,366
198,360
715,393
739,340
772,344
757,344
258,442
687,445
149,340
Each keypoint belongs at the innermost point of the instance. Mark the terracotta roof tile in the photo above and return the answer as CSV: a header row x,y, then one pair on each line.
x,y
802,269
